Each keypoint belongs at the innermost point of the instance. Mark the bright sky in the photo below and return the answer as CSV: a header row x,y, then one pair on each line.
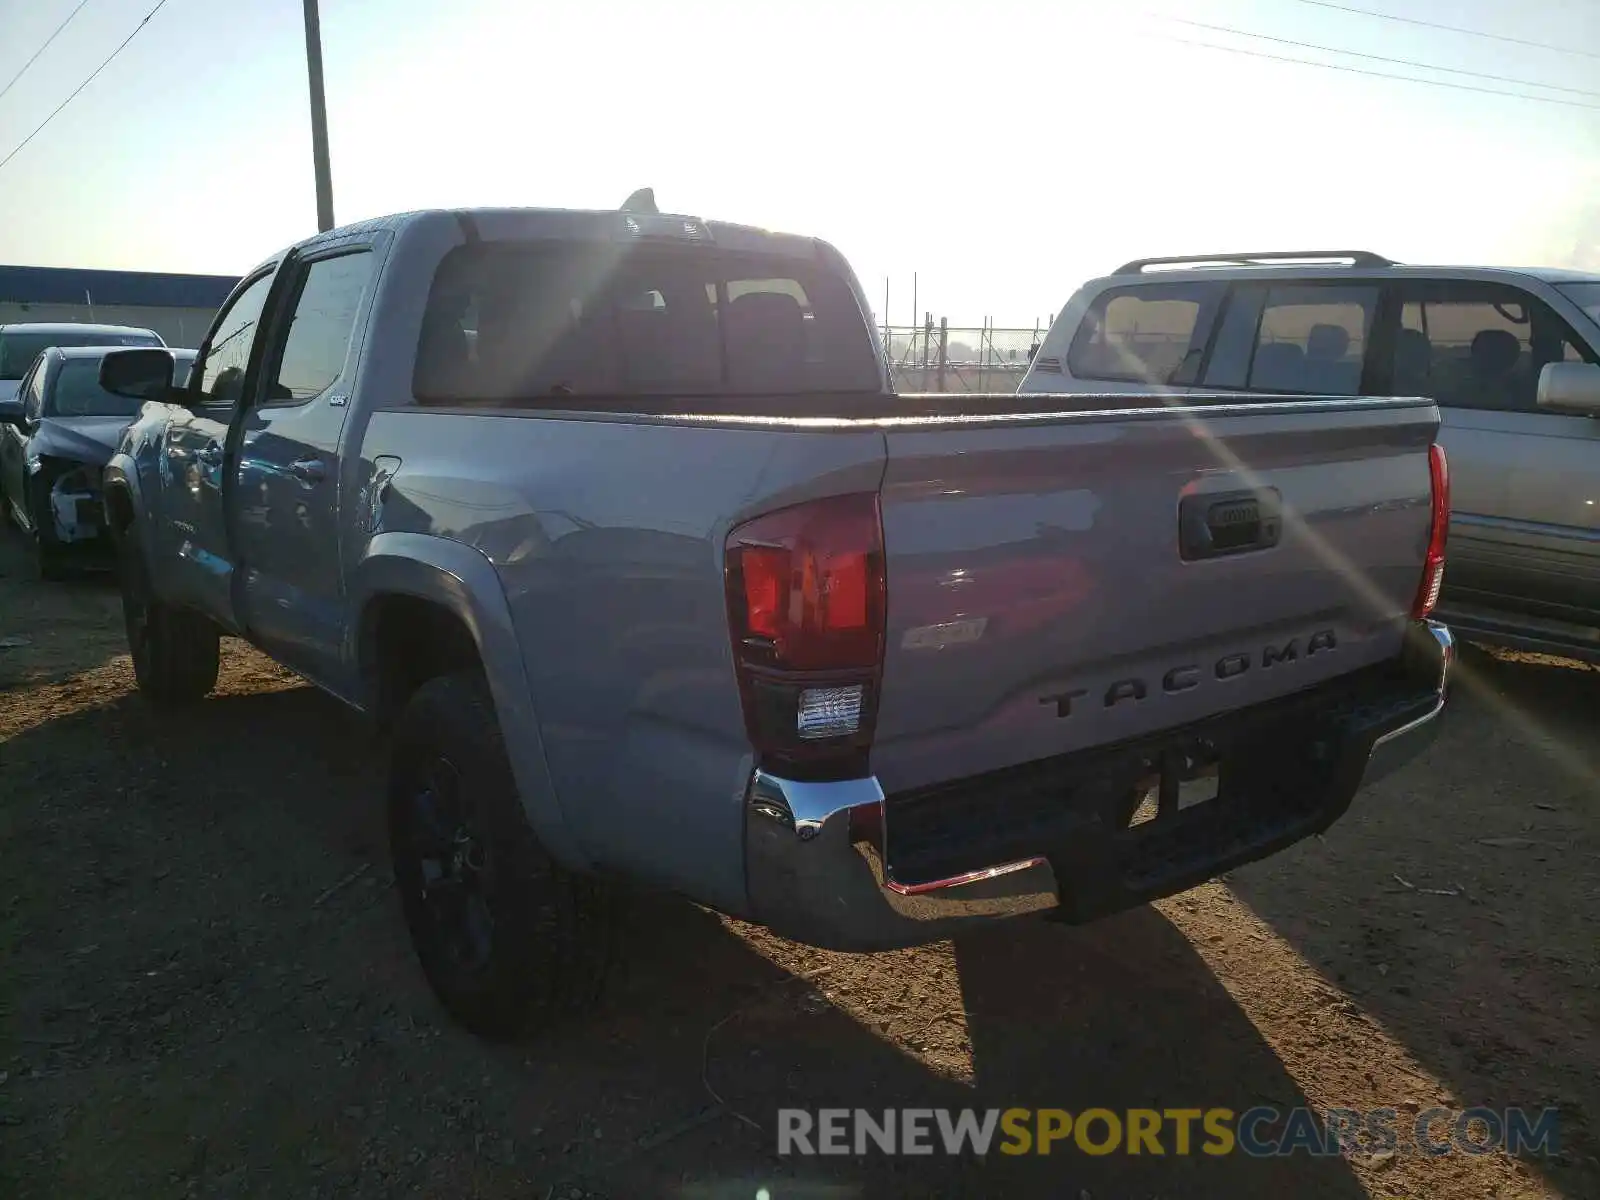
x,y
1003,152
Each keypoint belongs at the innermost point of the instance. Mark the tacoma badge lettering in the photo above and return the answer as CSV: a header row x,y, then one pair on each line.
x,y
1183,678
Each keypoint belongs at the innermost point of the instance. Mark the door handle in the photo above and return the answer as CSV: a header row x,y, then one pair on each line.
x,y
309,470
211,456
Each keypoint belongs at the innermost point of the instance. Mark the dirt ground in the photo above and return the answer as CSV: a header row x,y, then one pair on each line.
x,y
206,988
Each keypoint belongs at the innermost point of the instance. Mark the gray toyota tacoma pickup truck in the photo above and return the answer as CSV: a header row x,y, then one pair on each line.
x,y
614,521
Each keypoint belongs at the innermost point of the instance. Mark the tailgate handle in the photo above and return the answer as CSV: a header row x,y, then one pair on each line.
x,y
1215,524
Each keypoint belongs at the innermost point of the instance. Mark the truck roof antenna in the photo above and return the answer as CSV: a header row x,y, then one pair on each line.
x,y
642,201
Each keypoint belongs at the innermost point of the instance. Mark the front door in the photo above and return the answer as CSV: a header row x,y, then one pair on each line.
x,y
1525,523
286,506
193,537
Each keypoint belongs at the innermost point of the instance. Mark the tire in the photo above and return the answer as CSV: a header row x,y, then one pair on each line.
x,y
176,653
508,940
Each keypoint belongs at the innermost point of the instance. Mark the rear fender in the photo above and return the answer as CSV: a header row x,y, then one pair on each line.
x,y
462,581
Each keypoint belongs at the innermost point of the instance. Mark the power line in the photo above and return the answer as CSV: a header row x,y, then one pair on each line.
x,y
1496,37
1402,62
160,4
43,48
1306,62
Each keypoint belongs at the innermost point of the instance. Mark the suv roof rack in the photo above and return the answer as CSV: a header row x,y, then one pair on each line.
x,y
1354,258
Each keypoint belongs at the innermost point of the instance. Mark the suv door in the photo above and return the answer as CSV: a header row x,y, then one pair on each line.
x,y
192,548
1525,528
286,506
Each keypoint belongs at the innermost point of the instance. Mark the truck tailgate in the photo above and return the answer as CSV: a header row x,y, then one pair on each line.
x,y
1064,581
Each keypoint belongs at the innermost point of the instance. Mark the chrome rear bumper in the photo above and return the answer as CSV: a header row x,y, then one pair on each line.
x,y
815,875
1431,651
817,871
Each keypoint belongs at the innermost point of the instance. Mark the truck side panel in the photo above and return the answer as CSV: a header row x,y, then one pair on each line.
x,y
608,537
460,580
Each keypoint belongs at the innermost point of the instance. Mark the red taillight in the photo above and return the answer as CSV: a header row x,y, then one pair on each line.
x,y
806,603
807,585
1433,565
766,580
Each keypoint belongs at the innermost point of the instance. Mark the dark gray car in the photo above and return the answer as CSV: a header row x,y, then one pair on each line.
x,y
54,441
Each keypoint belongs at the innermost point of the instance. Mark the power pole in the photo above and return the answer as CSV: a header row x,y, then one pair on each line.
x,y
319,119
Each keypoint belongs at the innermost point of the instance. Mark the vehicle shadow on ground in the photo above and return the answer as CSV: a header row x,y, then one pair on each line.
x,y
292,1035
1121,1015
72,626
1467,927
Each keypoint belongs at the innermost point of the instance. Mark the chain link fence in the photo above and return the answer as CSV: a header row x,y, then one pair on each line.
x,y
938,357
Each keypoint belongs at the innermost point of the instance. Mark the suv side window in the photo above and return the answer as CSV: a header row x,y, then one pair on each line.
x,y
1313,339
1476,345
1307,338
1151,334
226,356
320,327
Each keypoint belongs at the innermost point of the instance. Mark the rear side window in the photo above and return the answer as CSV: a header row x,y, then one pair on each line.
x,y
520,321
1153,335
1313,339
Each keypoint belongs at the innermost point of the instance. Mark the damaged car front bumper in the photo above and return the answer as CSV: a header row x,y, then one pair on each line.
x,y
67,508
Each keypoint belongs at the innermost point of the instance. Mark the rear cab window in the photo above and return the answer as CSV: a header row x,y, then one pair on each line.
x,y
545,320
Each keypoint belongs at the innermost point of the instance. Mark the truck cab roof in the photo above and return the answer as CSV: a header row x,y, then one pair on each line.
x,y
511,224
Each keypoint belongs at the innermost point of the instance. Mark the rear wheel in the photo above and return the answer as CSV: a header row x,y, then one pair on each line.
x,y
176,653
508,940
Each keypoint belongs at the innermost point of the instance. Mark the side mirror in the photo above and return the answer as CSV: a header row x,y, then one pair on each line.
x,y
143,374
1570,387
11,412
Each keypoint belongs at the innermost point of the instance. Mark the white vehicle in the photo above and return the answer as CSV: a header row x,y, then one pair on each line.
x,y
1511,357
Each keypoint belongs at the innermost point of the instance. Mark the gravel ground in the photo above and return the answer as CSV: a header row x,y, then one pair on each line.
x,y
206,989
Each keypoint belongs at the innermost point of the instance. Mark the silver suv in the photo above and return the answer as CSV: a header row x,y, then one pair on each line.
x,y
1512,357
